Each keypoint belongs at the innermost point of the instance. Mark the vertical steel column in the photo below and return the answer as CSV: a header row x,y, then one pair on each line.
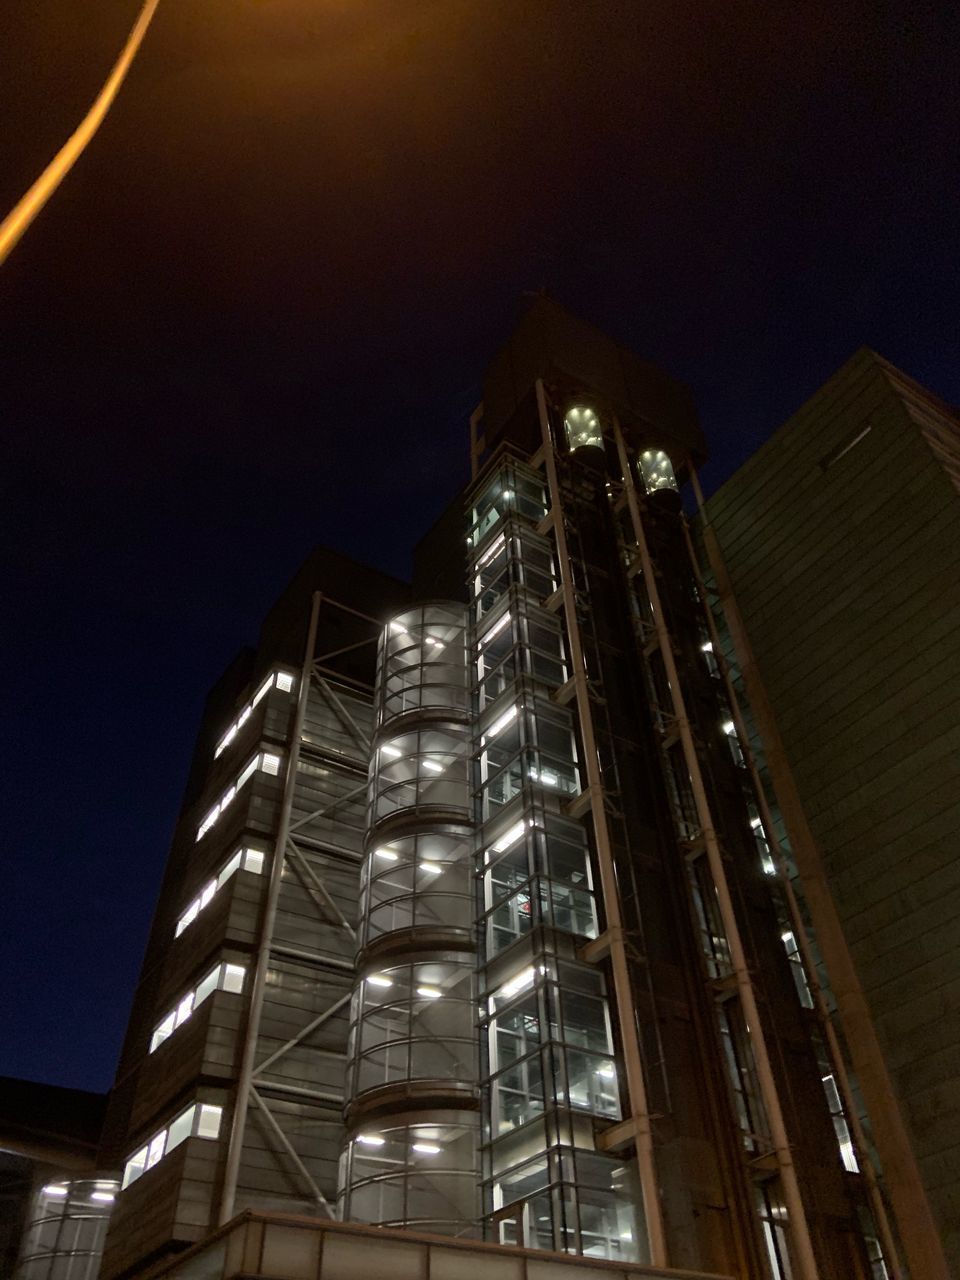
x,y
799,1230
245,1081
623,992
890,1252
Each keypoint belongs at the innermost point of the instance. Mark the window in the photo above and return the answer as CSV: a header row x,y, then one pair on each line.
x,y
796,965
248,859
733,741
656,471
281,680
267,761
773,1219
583,428
841,1128
199,1120
222,977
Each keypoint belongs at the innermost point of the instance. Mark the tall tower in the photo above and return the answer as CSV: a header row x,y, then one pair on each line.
x,y
479,920
653,1084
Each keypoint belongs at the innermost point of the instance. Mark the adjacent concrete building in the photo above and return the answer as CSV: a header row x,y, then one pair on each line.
x,y
839,546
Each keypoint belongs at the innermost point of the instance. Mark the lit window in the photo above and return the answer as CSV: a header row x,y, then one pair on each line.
x,y
180,1130
656,471
495,546
498,626
508,839
222,977
266,761
134,1167
283,680
847,1154
517,983
583,428
710,657
208,1124
796,965
198,1120
248,859
232,980
155,1149
736,750
247,773
500,724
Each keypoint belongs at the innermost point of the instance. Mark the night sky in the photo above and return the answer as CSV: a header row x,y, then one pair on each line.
x,y
256,316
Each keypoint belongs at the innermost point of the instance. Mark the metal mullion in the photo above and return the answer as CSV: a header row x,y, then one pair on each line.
x,y
623,987
799,1229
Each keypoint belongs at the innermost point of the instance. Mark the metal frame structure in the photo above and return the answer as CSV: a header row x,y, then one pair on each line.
x,y
799,1230
811,969
291,856
612,941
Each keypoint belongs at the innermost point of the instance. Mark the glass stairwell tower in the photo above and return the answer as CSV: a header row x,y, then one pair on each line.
x,y
587,1016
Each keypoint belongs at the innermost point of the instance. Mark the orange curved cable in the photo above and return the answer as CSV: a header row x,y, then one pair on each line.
x,y
24,212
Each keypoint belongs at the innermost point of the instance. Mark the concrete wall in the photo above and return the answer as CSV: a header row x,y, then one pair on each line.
x,y
846,570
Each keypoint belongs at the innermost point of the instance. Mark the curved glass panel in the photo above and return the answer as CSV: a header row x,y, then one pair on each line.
x,y
423,770
424,881
582,427
414,1175
414,1021
656,471
63,1237
423,662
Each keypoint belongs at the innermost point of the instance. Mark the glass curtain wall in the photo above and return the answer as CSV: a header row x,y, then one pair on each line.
x,y
64,1237
549,1071
411,1158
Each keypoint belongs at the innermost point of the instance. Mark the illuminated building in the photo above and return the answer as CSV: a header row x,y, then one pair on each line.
x,y
480,920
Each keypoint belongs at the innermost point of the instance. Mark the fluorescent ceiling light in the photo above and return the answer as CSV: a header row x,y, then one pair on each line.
x,y
509,837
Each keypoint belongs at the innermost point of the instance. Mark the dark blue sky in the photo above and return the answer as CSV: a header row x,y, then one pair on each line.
x,y
256,317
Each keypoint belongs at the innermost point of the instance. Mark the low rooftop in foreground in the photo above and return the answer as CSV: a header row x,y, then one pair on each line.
x,y
259,1246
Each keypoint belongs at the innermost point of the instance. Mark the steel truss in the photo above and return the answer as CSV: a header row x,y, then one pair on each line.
x,y
296,849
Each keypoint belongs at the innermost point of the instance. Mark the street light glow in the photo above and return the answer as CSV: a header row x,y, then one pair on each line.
x,y
29,206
